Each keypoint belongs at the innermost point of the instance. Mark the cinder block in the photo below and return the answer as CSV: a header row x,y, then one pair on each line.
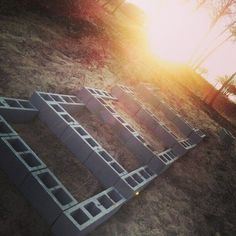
x,y
47,194
105,168
130,104
158,164
124,131
17,110
17,159
79,142
185,128
85,94
40,100
86,216
164,135
226,137
131,184
96,105
141,149
73,108
179,149
146,118
168,111
6,129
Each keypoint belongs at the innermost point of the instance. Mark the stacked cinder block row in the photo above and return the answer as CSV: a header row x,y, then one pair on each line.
x,y
86,216
135,181
77,139
134,141
84,146
98,93
17,110
47,194
226,137
195,135
25,169
141,114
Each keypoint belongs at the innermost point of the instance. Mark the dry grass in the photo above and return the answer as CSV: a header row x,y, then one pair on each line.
x,y
196,196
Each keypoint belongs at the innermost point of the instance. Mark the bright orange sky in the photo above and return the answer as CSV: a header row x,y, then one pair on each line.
x,y
175,29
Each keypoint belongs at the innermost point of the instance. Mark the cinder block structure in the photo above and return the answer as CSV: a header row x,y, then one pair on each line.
x,y
17,110
195,135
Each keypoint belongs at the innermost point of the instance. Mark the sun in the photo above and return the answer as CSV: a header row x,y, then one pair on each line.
x,y
174,28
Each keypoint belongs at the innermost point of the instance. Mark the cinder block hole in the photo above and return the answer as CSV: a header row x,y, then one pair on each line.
x,y
137,178
1,104
80,217
46,97
131,181
67,118
91,142
102,101
121,120
163,159
116,197
17,145
172,154
92,209
26,104
92,91
75,99
105,156
57,98
107,94
151,148
144,174
110,109
99,92
141,139
130,129
150,172
48,180
62,196
117,167
12,103
57,108
67,99
4,129
81,131
30,159
105,201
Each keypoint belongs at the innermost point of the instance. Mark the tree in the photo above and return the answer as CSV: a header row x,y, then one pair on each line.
x,y
218,9
212,97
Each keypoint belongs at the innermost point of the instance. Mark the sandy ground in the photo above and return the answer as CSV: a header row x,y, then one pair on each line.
x,y
196,196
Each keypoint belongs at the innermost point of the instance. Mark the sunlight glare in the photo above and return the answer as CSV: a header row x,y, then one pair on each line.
x,y
174,29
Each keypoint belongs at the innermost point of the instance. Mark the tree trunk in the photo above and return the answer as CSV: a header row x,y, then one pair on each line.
x,y
203,59
216,94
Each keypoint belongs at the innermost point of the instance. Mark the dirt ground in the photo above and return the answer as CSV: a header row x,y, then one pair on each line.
x,y
195,196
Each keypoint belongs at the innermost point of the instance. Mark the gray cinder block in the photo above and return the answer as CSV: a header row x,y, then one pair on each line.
x,y
6,129
141,149
130,104
105,168
17,110
47,194
158,164
226,137
79,142
86,216
17,159
185,128
131,184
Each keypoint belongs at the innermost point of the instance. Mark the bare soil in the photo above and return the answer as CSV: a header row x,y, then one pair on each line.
x,y
196,196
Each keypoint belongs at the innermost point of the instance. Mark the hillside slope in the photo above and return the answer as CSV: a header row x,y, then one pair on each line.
x,y
196,196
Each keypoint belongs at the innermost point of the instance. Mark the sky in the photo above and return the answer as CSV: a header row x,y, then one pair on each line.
x,y
175,30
